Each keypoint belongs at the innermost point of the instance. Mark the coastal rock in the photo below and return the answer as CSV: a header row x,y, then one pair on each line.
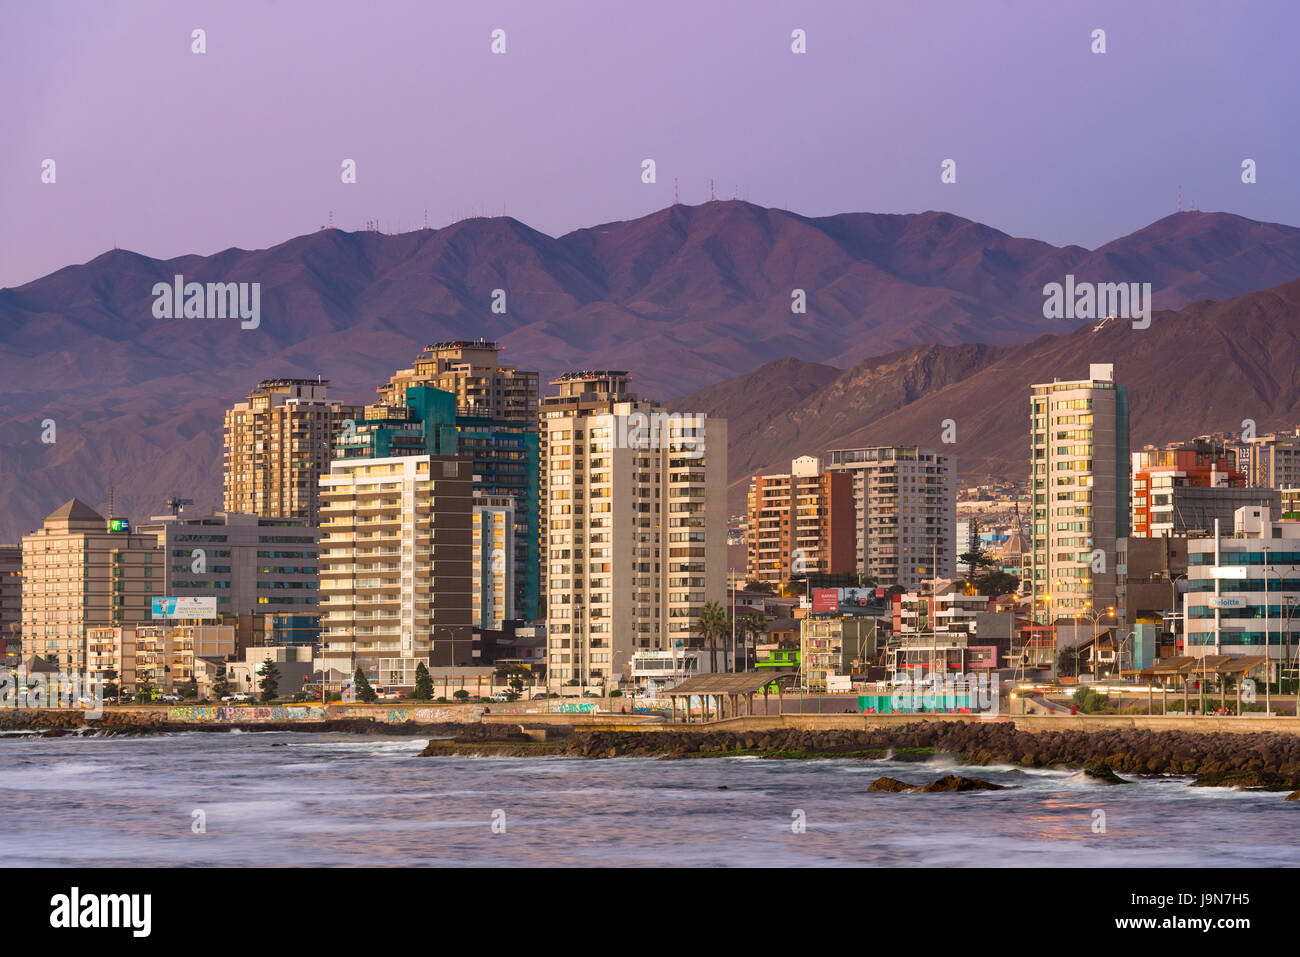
x,y
892,785
1103,775
955,782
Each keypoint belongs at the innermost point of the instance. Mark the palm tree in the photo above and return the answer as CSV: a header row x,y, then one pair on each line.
x,y
709,625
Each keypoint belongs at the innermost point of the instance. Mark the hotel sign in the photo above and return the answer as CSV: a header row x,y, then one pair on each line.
x,y
1228,571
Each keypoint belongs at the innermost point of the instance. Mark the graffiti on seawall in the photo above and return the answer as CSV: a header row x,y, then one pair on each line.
x,y
224,713
435,715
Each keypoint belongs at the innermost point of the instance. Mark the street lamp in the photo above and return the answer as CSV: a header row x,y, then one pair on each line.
x,y
1095,618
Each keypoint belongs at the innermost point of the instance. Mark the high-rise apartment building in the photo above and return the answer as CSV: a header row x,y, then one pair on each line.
x,y
277,446
1079,479
905,503
504,462
251,565
636,530
588,392
82,570
470,370
800,522
396,565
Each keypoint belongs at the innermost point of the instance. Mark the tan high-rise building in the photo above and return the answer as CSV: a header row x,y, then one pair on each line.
x,y
395,566
636,533
905,500
471,370
1080,481
277,446
581,393
80,570
801,522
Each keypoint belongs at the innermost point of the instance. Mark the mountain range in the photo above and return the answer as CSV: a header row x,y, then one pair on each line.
x,y
1210,366
905,313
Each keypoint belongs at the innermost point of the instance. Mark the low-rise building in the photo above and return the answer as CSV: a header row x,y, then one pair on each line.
x,y
1243,588
835,648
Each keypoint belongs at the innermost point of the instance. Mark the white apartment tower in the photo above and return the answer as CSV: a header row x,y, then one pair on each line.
x,y
395,565
635,534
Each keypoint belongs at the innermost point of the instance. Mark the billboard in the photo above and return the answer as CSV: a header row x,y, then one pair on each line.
x,y
185,607
1228,571
119,525
826,600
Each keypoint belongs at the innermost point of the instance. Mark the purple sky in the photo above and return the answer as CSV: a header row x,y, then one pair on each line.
x,y
167,152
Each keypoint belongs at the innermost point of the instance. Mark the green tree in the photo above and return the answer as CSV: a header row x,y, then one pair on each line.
x,y
460,694
997,583
423,683
221,686
365,693
191,690
144,694
515,690
111,687
758,586
270,680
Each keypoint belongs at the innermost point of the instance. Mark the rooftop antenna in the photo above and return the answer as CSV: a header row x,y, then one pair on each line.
x,y
331,219
426,219
111,493
177,504
676,201
710,189
1180,197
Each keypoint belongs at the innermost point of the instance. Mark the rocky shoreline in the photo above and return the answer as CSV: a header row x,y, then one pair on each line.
x,y
1265,760
53,724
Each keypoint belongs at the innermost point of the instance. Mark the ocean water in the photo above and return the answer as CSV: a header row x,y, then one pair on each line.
x,y
291,799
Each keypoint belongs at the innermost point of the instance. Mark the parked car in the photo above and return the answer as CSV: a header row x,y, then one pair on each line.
x,y
500,696
241,696
171,696
540,694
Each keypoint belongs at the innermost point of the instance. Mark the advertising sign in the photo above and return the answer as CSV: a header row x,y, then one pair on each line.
x,y
185,608
826,600
1226,602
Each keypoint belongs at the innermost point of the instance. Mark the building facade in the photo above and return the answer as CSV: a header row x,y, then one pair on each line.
x,y
249,564
905,502
81,570
493,599
278,443
1079,480
396,565
636,535
1243,586
11,598
801,522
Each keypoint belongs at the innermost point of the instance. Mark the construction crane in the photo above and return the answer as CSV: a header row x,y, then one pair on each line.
x,y
177,504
